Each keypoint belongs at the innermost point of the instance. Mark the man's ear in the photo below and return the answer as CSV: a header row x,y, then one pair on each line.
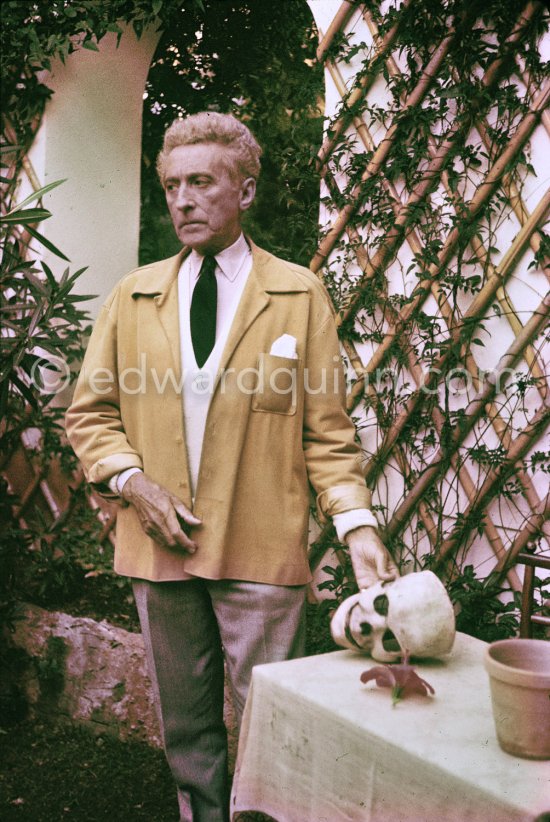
x,y
248,192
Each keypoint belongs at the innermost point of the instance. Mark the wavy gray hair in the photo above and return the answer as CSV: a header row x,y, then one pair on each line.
x,y
213,127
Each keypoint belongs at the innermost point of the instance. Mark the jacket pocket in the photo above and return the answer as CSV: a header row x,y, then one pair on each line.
x,y
277,385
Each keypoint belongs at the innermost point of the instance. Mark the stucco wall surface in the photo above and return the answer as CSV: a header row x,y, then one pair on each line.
x,y
91,137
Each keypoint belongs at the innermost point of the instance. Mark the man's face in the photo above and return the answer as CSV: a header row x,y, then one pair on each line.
x,y
205,201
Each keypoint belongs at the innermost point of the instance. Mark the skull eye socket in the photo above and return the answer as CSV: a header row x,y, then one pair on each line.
x,y
390,643
381,604
365,628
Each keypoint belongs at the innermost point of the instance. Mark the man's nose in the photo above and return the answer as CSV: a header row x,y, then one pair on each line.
x,y
185,199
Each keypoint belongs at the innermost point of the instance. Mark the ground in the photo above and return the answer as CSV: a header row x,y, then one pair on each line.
x,y
51,773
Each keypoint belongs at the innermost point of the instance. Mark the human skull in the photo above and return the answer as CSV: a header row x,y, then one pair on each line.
x,y
413,615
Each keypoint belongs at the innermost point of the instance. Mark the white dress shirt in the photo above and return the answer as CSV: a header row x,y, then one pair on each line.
x,y
233,266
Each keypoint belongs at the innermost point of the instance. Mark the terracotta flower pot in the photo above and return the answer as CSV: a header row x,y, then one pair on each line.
x,y
519,672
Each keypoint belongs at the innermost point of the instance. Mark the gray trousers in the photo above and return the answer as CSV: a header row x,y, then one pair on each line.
x,y
188,627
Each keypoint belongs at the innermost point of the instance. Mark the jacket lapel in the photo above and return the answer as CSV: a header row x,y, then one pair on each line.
x,y
254,300
168,315
267,276
161,285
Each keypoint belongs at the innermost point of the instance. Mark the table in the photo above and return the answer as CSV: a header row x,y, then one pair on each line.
x,y
317,745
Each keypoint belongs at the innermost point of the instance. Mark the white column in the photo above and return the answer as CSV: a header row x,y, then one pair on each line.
x,y
91,135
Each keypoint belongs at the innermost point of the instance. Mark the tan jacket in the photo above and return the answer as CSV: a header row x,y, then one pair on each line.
x,y
268,431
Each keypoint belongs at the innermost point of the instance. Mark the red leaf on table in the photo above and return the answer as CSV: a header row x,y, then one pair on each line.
x,y
401,678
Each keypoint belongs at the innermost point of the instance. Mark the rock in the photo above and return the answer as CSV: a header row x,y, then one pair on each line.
x,y
92,673
88,671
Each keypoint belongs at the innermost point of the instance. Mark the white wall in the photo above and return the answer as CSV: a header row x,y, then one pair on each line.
x,y
91,135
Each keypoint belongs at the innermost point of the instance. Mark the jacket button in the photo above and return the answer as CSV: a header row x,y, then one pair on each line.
x,y
179,440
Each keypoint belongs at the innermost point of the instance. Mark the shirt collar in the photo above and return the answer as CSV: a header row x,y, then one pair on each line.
x,y
229,261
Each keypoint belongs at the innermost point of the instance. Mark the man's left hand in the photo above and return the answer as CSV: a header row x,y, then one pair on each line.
x,y
371,560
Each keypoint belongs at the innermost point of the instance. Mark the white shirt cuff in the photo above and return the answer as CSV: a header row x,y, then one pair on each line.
x,y
355,518
117,482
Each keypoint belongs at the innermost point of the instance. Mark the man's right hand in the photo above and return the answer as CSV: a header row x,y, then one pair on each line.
x,y
162,515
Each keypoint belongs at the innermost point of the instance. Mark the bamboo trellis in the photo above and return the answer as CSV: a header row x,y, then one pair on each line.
x,y
411,492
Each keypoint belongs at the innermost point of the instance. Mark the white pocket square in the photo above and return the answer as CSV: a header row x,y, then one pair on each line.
x,y
285,346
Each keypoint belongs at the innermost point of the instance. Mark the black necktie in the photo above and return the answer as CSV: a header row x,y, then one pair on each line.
x,y
204,305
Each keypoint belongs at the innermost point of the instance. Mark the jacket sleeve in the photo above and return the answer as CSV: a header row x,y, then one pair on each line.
x,y
93,420
332,454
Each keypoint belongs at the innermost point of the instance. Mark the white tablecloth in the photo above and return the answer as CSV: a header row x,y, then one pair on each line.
x,y
319,746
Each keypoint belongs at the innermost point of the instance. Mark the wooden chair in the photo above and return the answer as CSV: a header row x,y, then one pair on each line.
x,y
528,618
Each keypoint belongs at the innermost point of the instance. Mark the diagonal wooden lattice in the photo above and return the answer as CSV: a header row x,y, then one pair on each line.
x,y
414,493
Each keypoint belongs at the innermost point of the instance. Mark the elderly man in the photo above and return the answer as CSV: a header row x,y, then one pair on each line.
x,y
210,399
